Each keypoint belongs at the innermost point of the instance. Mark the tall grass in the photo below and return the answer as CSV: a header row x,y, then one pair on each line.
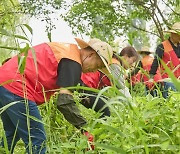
x,y
142,125
150,125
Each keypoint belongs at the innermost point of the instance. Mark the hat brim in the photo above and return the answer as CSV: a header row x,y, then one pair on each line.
x,y
106,65
82,44
145,51
171,31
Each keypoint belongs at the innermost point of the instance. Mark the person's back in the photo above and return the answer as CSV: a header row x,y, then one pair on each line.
x,y
48,66
146,63
104,78
40,73
96,80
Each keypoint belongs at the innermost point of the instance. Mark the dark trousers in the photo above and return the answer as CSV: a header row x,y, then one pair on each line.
x,y
163,87
21,119
100,106
166,87
153,92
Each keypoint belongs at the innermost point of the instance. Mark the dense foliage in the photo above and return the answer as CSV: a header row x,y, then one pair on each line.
x,y
9,18
144,125
134,20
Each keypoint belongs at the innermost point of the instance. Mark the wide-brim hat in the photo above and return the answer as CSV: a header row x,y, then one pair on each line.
x,y
103,49
145,49
174,29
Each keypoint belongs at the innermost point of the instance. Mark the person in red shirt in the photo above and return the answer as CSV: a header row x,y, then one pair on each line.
x,y
55,65
142,71
99,80
4,61
169,53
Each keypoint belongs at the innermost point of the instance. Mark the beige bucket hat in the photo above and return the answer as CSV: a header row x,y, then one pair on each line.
x,y
145,49
174,29
103,49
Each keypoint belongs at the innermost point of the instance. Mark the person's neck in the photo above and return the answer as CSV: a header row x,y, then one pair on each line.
x,y
172,40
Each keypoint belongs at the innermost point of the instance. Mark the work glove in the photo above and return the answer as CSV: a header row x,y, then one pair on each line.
x,y
90,138
69,109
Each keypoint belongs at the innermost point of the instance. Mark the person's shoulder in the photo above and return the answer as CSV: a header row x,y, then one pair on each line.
x,y
67,61
160,46
61,43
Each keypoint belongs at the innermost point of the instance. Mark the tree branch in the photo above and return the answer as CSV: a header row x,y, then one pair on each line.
x,y
170,8
11,12
163,18
146,31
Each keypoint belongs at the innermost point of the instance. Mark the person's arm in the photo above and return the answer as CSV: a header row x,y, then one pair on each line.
x,y
158,55
69,73
118,77
90,79
136,70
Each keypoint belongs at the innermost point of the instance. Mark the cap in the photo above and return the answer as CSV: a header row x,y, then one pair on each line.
x,y
103,49
145,49
174,29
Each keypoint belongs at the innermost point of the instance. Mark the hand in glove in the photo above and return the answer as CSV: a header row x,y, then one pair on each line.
x,y
90,138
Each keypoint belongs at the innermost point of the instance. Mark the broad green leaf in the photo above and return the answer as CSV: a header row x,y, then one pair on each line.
x,y
22,58
21,63
10,48
21,37
12,2
142,146
29,28
113,148
115,130
34,58
69,145
164,145
49,37
4,32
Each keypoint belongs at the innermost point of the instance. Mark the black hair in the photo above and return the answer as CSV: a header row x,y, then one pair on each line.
x,y
145,52
129,51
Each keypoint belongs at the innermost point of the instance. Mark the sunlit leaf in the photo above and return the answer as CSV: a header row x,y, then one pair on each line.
x,y
29,28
